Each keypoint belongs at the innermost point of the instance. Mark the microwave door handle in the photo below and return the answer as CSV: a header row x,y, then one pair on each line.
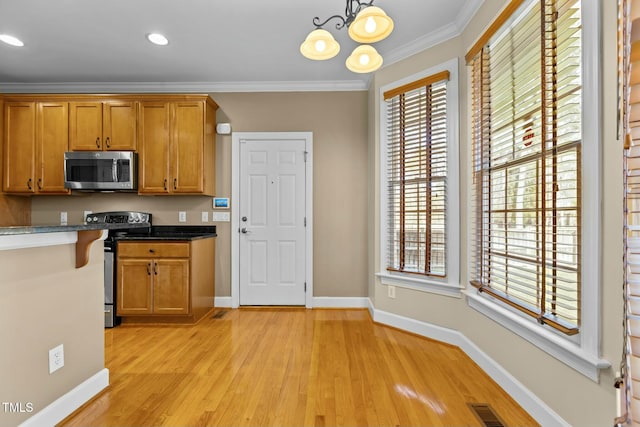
x,y
115,170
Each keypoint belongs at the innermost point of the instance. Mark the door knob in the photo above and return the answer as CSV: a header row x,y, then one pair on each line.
x,y
244,230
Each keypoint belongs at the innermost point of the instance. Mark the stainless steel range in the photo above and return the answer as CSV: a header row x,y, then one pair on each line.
x,y
138,220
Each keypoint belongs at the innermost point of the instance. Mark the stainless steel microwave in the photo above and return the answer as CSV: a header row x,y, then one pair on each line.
x,y
101,170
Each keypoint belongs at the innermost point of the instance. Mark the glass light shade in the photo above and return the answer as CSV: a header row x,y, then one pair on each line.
x,y
319,45
371,25
158,39
364,59
10,40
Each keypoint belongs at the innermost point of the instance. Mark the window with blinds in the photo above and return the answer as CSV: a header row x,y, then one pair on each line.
x,y
526,107
416,176
629,79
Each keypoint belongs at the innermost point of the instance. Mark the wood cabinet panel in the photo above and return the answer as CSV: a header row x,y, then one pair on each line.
x,y
188,147
19,147
120,125
184,154
175,282
134,286
36,137
153,249
85,123
171,286
153,156
103,125
52,142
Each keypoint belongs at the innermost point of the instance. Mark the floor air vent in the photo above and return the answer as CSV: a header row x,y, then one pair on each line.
x,y
486,415
219,314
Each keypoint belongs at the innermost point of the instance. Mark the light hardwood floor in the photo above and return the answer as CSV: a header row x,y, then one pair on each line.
x,y
289,367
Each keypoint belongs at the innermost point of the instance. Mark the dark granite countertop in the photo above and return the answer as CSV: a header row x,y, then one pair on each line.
x,y
171,232
35,229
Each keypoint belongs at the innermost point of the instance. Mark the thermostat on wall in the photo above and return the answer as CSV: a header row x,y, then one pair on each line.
x,y
223,128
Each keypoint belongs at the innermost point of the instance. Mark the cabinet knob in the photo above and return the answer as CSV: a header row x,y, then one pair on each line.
x,y
153,251
165,184
155,268
108,142
98,142
29,184
148,269
39,183
175,183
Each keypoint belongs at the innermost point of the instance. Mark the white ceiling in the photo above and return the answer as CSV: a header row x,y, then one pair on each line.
x,y
214,45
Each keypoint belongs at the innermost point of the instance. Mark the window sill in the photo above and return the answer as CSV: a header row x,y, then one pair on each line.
x,y
423,285
567,350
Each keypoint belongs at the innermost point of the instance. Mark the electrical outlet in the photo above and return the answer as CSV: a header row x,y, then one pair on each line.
x,y
391,291
205,216
56,358
182,216
63,218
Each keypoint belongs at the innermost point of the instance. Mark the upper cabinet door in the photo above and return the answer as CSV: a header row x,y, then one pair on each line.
x,y
153,153
85,126
19,147
188,147
52,140
119,125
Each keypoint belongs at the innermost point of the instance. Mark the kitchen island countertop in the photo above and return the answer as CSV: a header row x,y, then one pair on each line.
x,y
37,229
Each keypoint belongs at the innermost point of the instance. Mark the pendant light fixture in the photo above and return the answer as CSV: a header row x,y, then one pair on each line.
x,y
367,24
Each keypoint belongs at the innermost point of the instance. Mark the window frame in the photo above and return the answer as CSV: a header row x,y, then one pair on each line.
x,y
450,284
580,351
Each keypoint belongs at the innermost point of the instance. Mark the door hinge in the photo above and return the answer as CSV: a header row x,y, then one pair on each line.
x,y
306,153
305,221
305,286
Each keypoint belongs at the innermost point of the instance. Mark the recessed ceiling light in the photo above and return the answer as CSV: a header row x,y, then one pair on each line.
x,y
158,39
11,40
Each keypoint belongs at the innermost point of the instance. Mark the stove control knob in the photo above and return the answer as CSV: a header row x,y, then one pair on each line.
x,y
95,218
138,219
89,219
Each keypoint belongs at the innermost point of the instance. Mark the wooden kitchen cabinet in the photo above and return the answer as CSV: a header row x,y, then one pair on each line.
x,y
103,125
162,281
177,147
153,278
36,135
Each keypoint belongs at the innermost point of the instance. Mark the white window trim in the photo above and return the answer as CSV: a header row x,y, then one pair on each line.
x,y
449,285
581,352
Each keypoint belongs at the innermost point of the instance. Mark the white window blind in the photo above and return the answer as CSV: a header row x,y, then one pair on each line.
x,y
526,104
629,75
417,170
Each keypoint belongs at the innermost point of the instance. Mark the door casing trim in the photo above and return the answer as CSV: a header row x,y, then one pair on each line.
x,y
236,137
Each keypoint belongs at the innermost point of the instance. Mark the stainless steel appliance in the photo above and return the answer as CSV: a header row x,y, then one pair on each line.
x,y
140,219
101,170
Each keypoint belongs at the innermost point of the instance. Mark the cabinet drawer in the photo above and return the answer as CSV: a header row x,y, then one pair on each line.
x,y
153,250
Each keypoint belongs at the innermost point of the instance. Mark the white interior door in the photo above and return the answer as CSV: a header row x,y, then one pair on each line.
x,y
272,222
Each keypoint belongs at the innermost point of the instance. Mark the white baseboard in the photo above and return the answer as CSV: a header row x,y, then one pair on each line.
x,y
340,302
222,302
62,407
525,398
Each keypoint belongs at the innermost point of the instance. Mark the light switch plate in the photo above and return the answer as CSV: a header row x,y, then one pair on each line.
x,y
205,216
182,216
221,217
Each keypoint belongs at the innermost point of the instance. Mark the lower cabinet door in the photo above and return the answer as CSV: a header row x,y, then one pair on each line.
x,y
135,286
171,286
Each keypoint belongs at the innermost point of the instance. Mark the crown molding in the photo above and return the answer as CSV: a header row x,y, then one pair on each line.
x,y
184,87
436,37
